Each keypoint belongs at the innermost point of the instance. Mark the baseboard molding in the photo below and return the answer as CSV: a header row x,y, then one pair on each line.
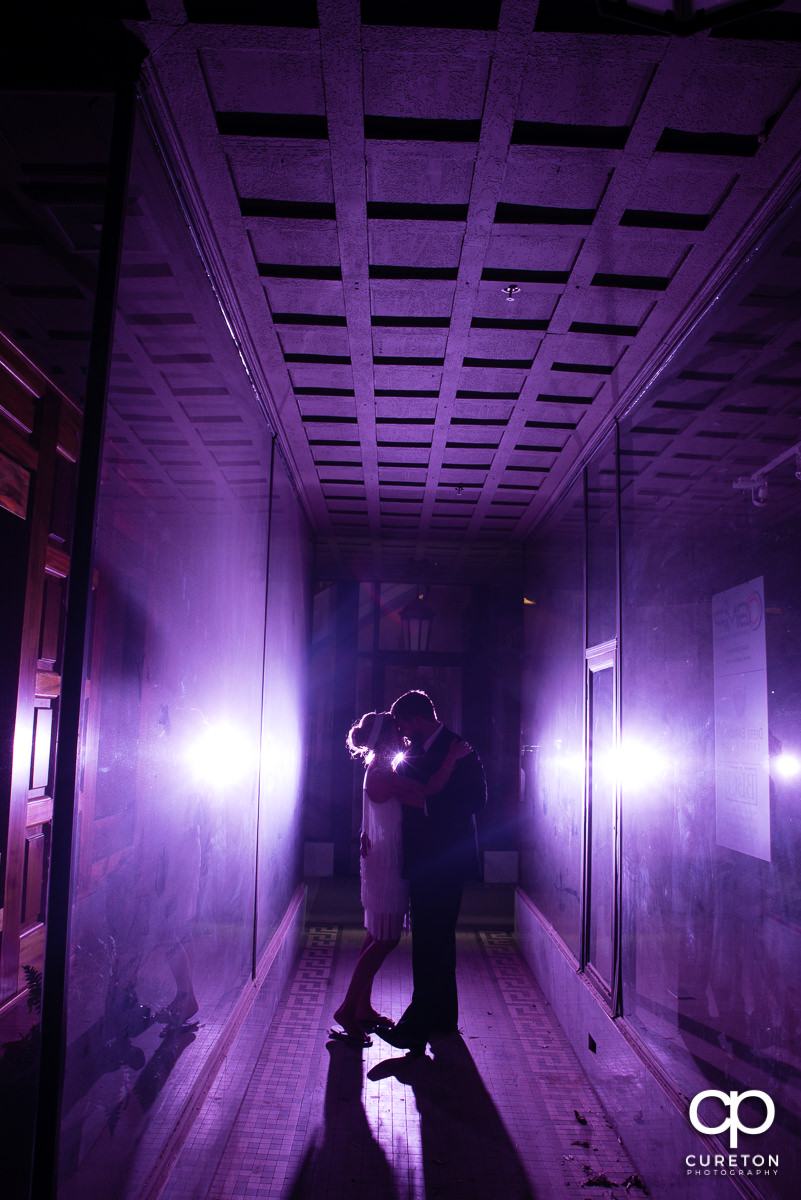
x,y
641,1102
278,955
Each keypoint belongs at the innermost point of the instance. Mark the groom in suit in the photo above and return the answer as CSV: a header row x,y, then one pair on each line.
x,y
440,852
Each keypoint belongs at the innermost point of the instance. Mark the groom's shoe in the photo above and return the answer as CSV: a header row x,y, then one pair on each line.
x,y
403,1039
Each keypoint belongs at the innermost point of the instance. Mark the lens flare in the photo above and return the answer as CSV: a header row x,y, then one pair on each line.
x,y
787,765
634,766
221,756
640,765
397,760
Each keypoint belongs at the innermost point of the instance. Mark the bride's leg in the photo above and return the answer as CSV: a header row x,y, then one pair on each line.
x,y
346,1014
357,1004
378,953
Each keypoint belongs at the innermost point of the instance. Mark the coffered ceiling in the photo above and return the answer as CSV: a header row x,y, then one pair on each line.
x,y
449,255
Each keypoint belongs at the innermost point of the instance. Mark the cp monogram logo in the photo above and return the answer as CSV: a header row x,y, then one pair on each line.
x,y
732,1101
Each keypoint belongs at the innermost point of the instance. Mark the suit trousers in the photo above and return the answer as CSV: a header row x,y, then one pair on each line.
x,y
435,903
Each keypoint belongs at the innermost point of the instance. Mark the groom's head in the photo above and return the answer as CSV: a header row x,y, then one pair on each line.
x,y
415,716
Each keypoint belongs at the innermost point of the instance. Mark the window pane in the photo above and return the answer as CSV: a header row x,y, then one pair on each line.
x,y
711,853
602,546
602,820
552,819
164,892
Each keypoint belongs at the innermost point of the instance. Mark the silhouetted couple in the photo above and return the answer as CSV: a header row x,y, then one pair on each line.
x,y
422,789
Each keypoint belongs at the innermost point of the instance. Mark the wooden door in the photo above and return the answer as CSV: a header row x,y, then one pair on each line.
x,y
39,437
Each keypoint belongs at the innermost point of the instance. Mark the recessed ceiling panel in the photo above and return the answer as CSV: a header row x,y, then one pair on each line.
x,y
571,180
603,311
503,344
588,352
724,99
263,169
642,255
415,243
409,343
430,86
419,173
501,384
583,81
266,81
399,379
538,250
430,297
670,186
310,339
287,241
322,377
304,296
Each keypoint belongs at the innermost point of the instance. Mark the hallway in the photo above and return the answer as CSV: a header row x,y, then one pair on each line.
x,y
502,1111
351,349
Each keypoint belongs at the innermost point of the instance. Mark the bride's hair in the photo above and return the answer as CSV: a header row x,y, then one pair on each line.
x,y
363,736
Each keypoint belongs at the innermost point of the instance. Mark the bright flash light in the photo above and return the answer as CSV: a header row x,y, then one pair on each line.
x,y
634,766
222,756
640,765
787,765
397,760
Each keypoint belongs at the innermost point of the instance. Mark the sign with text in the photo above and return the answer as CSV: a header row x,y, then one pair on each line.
x,y
742,801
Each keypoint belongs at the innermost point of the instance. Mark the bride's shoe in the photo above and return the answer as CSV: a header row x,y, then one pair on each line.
x,y
353,1032
359,1041
375,1022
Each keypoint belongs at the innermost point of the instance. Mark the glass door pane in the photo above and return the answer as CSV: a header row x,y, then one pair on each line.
x,y
601,817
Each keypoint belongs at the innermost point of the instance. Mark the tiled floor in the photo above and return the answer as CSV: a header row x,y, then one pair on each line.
x,y
501,1111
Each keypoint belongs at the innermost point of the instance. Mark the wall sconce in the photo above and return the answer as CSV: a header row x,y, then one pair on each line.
x,y
416,621
510,292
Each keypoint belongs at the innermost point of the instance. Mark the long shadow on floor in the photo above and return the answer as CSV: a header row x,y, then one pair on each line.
x,y
467,1151
348,1161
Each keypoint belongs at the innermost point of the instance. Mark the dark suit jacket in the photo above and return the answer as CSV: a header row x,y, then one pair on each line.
x,y
443,843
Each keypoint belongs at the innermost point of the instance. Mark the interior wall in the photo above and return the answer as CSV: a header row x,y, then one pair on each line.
x,y
551,821
284,733
697,873
711,851
187,847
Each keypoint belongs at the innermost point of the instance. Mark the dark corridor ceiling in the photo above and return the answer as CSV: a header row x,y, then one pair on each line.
x,y
367,193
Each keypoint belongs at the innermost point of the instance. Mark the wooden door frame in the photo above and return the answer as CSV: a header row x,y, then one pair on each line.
x,y
604,656
37,424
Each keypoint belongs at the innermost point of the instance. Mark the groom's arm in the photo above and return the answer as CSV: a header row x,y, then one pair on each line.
x,y
464,794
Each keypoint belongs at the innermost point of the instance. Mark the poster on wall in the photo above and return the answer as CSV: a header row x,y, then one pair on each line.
x,y
742,794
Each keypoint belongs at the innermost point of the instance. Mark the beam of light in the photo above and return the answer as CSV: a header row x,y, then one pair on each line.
x,y
397,760
221,756
640,765
634,766
787,765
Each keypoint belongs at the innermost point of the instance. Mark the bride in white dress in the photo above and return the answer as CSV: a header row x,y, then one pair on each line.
x,y
384,891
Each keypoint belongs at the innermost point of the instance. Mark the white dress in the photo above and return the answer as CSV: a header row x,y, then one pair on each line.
x,y
385,895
